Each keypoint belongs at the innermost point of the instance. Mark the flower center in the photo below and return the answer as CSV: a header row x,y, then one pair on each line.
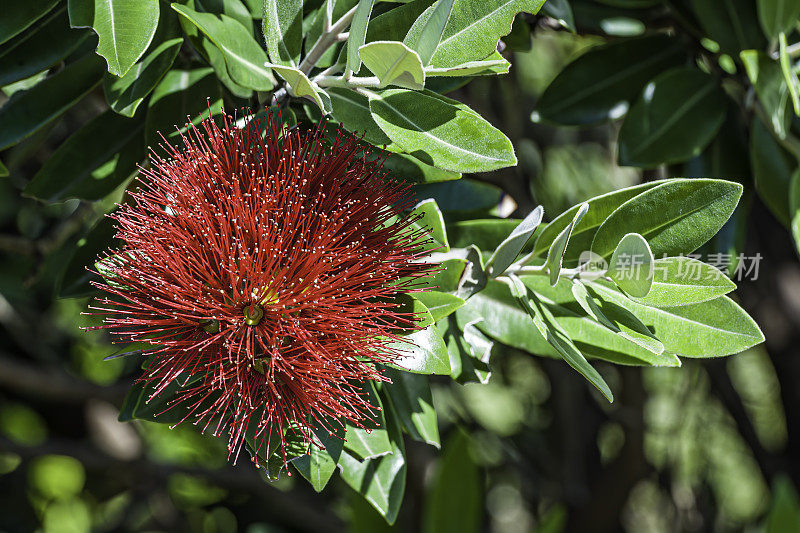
x,y
253,314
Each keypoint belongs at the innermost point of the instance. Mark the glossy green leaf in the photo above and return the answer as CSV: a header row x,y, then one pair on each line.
x,y
382,480
469,361
555,335
440,304
617,319
440,132
683,281
27,111
301,87
455,500
318,465
600,207
206,47
125,28
731,23
244,57
485,233
508,250
412,400
631,266
676,217
126,93
283,32
75,279
426,33
472,30
772,168
358,34
474,278
777,16
429,220
767,78
601,83
713,328
423,352
676,116
555,255
19,15
47,43
464,196
76,168
394,64
182,95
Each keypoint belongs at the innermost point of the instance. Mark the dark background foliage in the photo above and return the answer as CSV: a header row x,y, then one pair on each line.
x,y
710,446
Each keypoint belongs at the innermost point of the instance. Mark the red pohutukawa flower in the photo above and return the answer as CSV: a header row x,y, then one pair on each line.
x,y
267,267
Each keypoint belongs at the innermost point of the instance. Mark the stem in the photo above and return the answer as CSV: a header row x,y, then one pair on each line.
x,y
342,81
326,40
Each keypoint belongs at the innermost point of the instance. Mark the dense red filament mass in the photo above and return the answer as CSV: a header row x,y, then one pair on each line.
x,y
263,268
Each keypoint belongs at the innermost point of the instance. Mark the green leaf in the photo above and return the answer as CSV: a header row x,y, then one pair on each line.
x,y
677,115
425,34
42,46
243,55
76,168
126,93
358,34
74,281
600,83
447,278
301,87
395,23
676,217
555,255
767,78
142,403
29,110
473,29
3,170
318,465
600,207
469,361
440,304
382,480
180,96
394,64
561,11
408,168
794,206
423,352
617,319
429,220
497,314
508,250
730,23
777,16
455,499
283,31
351,109
683,281
125,28
485,233
412,400
713,328
784,512
789,73
631,266
555,335
18,15
440,132
472,68
474,278
772,169
466,197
